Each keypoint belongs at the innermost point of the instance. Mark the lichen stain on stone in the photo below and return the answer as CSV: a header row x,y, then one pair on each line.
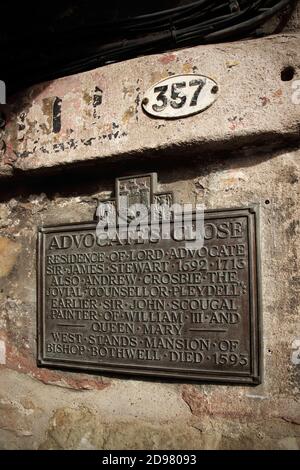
x,y
9,251
232,63
128,115
187,68
87,97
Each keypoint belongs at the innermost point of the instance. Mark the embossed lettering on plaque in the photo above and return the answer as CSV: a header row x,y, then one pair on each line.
x,y
154,308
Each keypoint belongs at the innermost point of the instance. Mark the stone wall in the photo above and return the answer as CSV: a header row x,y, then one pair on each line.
x,y
243,150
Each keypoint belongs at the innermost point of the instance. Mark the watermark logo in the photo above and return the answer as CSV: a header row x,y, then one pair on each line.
x,y
296,92
139,223
2,92
140,214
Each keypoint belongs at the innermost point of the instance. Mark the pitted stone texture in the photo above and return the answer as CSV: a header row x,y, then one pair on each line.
x,y
101,113
79,429
58,417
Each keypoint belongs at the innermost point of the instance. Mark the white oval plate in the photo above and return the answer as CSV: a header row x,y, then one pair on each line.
x,y
180,95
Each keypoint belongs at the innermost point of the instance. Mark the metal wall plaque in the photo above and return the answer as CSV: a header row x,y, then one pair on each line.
x,y
157,309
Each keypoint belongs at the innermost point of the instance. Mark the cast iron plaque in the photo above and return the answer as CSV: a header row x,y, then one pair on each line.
x,y
156,309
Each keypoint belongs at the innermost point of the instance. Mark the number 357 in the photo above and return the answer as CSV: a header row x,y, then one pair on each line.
x,y
177,98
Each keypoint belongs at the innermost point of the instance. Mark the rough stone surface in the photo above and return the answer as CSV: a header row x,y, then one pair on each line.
x,y
8,253
53,409
101,114
243,150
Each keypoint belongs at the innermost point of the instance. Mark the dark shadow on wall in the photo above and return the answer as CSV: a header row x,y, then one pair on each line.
x,y
171,164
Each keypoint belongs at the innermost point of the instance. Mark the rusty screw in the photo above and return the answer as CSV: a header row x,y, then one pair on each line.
x,y
145,101
215,89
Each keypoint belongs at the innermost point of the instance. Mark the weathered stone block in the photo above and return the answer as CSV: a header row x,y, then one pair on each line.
x,y
98,114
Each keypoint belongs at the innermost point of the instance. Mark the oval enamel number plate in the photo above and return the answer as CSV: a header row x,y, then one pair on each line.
x,y
180,95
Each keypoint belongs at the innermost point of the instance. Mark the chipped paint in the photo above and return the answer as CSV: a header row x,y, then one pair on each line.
x,y
167,58
232,63
187,68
